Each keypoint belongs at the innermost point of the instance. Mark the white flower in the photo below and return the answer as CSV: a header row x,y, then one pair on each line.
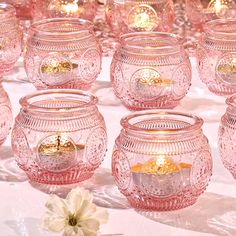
x,y
77,215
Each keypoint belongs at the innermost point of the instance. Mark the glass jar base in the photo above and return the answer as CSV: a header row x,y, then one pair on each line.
x,y
165,204
70,177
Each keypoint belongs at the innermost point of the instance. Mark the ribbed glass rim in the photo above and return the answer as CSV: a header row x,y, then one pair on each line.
x,y
125,38
127,125
25,101
9,9
231,101
37,26
215,29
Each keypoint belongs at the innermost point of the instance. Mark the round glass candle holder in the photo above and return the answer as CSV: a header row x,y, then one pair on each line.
x,y
5,114
201,11
129,16
84,9
62,53
161,160
216,56
227,136
10,38
24,8
150,70
59,136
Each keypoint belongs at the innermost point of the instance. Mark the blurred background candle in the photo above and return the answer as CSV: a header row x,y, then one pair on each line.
x,y
200,11
129,16
10,38
85,9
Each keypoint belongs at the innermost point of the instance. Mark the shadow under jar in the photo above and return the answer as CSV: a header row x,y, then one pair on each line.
x,y
216,56
84,9
62,53
136,15
227,136
5,114
10,38
59,136
201,11
161,160
150,70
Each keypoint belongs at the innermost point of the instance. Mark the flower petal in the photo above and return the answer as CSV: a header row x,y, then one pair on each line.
x,y
53,223
74,201
57,205
73,231
90,224
101,215
86,210
88,232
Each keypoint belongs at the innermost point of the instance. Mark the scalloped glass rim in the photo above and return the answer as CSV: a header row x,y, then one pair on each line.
x,y
195,122
28,101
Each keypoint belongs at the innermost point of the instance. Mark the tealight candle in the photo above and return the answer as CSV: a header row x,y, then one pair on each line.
x,y
161,160
59,136
216,56
62,53
133,16
150,70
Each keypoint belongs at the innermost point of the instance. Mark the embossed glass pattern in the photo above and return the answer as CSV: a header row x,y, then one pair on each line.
x,y
150,70
5,114
62,53
84,9
59,136
227,136
216,56
161,160
201,11
10,38
138,15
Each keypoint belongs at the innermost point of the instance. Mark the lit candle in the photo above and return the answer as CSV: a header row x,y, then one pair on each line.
x,y
218,7
143,17
161,174
228,69
58,152
70,7
150,77
57,67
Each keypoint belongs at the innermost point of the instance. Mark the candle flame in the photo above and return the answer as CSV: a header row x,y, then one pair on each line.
x,y
70,7
218,6
142,20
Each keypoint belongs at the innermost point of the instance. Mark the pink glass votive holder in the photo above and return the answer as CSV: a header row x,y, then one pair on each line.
x,y
65,8
161,160
150,70
24,8
62,53
227,136
5,115
59,136
10,38
129,16
216,56
201,11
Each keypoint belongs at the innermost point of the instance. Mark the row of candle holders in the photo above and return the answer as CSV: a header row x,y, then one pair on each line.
x,y
125,16
161,159
149,69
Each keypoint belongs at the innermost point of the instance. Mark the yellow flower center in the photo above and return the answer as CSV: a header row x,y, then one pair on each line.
x,y
72,221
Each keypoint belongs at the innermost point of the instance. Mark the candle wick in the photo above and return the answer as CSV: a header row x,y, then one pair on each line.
x,y
58,142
